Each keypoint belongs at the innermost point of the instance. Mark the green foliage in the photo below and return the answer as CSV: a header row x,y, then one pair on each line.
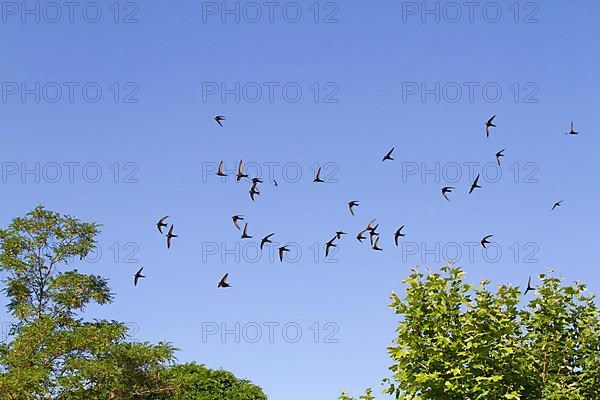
x,y
456,341
200,383
367,396
52,353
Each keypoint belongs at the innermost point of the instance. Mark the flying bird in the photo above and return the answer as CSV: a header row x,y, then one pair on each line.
x,y
265,240
245,233
253,192
338,234
376,245
219,118
529,287
318,177
170,235
373,233
237,218
369,227
161,223
488,125
557,204
240,174
475,185
329,245
137,276
351,205
282,250
388,156
256,181
220,170
499,155
275,183
223,282
398,235
360,236
446,190
485,241
572,130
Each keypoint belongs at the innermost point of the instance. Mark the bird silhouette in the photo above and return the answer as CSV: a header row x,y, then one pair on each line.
x,y
398,235
376,245
373,233
499,155
529,287
220,170
219,118
388,156
275,183
484,242
370,225
223,282
245,233
446,190
240,172
351,206
161,224
360,235
318,176
282,250
265,240
254,192
328,246
557,204
237,218
572,130
475,185
488,125
338,234
170,235
137,276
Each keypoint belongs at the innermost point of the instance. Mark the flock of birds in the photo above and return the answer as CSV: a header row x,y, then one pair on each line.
x,y
370,229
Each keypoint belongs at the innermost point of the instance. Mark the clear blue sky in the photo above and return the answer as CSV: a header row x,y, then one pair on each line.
x,y
370,61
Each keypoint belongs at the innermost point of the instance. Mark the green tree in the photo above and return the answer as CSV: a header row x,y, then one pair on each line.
x,y
457,341
200,383
51,352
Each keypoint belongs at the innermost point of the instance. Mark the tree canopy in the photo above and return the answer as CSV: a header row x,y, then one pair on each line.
x,y
458,341
52,352
201,383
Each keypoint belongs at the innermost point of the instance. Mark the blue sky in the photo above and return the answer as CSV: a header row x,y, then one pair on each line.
x,y
145,146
